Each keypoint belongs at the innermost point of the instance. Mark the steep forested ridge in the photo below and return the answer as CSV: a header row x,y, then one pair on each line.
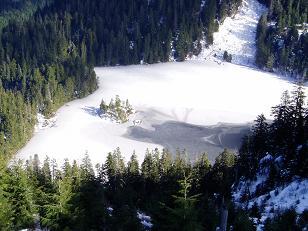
x,y
48,58
282,38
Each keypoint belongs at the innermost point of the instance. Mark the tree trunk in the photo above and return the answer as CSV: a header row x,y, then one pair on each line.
x,y
223,216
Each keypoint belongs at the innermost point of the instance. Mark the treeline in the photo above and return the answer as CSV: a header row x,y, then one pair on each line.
x,y
271,158
176,194
127,32
48,57
41,66
282,39
285,137
16,121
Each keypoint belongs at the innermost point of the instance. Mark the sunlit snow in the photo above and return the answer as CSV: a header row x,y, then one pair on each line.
x,y
174,101
237,35
200,106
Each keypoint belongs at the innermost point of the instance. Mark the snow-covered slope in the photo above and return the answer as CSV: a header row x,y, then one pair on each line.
x,y
292,195
237,35
174,101
271,200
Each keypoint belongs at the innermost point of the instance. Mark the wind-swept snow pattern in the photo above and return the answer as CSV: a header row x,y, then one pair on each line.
x,y
237,35
178,105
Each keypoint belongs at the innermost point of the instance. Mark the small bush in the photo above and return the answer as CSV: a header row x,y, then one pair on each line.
x,y
227,57
117,109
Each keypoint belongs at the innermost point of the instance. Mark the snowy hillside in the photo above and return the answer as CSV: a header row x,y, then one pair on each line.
x,y
178,105
237,35
271,200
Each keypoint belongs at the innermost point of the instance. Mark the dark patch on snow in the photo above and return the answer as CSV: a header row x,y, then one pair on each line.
x,y
194,139
93,111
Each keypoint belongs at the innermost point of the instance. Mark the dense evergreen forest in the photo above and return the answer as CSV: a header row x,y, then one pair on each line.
x,y
19,10
287,134
47,53
176,193
47,58
282,42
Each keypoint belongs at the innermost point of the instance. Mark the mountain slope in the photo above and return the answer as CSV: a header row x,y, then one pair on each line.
x,y
236,35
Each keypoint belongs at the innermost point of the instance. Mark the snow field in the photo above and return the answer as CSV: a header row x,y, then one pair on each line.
x,y
192,93
237,35
174,102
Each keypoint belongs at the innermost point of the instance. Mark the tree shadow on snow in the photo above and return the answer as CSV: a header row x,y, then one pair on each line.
x,y
193,138
93,111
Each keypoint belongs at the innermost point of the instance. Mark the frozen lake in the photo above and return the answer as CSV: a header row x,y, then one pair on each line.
x,y
198,105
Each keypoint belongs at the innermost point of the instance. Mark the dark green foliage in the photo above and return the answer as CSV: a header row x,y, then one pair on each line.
x,y
116,109
184,215
223,173
285,221
286,136
16,121
126,32
227,57
177,194
18,10
279,44
19,192
74,198
242,222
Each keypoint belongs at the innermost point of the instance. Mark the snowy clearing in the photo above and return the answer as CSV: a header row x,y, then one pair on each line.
x,y
237,35
178,104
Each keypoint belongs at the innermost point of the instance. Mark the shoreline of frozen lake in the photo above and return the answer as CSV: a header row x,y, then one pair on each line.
x,y
178,104
202,106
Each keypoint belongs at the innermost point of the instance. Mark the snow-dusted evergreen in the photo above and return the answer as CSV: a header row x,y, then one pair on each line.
x,y
270,201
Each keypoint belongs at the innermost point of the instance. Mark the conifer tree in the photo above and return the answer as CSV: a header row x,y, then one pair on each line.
x,y
183,216
133,166
223,173
297,111
260,137
6,211
21,198
165,163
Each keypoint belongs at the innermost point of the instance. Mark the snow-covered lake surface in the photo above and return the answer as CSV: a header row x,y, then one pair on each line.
x,y
180,105
202,105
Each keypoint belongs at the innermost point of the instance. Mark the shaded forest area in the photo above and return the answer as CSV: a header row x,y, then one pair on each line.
x,y
282,38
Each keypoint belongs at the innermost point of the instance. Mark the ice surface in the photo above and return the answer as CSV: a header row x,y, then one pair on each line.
x,y
173,101
178,105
